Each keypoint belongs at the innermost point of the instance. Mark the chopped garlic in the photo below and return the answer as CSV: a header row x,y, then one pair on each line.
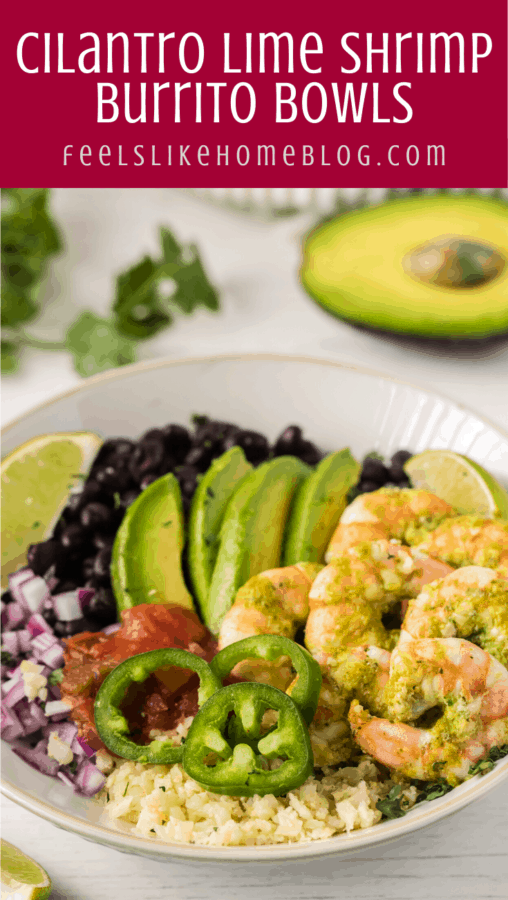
x,y
104,762
35,683
59,750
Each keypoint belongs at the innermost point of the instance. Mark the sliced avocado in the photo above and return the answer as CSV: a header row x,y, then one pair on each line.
x,y
206,513
251,535
317,507
430,266
147,554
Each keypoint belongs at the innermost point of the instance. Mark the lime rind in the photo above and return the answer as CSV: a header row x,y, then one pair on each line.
x,y
459,480
36,480
22,876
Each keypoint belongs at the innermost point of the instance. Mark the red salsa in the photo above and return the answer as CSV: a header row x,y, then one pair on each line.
x,y
165,698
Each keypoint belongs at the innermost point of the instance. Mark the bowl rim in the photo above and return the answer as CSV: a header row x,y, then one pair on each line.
x,y
339,844
166,362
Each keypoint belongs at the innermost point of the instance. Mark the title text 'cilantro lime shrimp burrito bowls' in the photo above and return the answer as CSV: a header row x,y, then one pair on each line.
x,y
227,642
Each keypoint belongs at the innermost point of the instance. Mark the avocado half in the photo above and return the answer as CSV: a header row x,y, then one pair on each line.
x,y
433,266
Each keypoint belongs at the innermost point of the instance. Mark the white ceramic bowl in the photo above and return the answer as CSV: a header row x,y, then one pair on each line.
x,y
337,405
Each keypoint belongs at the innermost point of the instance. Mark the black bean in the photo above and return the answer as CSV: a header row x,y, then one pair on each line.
x,y
148,479
96,515
114,449
41,557
113,480
289,442
103,607
102,563
200,457
212,430
366,487
66,585
254,445
74,504
101,540
147,457
309,453
396,463
73,536
374,469
177,442
92,490
68,629
87,568
187,477
128,498
49,616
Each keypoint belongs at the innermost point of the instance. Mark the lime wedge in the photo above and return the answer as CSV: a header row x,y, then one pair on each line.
x,y
36,480
464,484
22,878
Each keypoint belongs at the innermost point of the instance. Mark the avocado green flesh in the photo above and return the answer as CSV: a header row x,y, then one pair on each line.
x,y
354,267
252,531
207,511
147,554
317,508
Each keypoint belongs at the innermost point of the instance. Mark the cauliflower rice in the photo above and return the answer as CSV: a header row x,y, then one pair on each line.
x,y
163,802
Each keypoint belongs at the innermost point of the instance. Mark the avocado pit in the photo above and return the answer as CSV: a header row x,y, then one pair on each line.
x,y
454,261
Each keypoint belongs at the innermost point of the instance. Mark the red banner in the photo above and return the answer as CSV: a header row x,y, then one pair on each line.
x,y
203,95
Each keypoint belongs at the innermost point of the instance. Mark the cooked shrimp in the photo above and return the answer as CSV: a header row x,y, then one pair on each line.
x,y
470,601
387,513
469,686
347,601
274,602
379,572
468,541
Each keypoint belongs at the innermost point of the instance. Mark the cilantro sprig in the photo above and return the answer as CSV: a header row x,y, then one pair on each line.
x,y
394,806
147,297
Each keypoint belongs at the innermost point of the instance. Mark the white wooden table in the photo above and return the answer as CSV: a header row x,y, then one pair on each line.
x,y
254,265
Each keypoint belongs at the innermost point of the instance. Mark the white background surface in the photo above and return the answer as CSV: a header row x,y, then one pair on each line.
x,y
254,265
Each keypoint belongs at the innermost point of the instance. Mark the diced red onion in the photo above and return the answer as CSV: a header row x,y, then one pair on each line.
x,y
110,629
66,731
37,757
85,596
3,672
11,727
89,779
53,657
10,642
15,615
80,747
29,590
51,582
37,625
42,642
55,707
16,582
67,607
34,593
31,716
25,640
15,693
65,778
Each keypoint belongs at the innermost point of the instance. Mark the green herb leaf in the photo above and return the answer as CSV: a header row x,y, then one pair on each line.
x,y
390,806
10,358
486,765
29,238
56,676
6,658
96,345
142,304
